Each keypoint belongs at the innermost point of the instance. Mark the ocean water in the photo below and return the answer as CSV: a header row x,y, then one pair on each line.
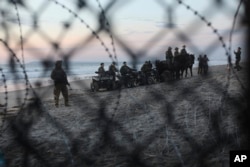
x,y
37,73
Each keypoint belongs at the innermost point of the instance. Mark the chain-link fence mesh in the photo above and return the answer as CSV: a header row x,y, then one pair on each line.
x,y
164,124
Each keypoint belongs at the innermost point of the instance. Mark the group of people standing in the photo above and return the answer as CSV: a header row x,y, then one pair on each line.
x,y
170,57
60,78
203,60
203,64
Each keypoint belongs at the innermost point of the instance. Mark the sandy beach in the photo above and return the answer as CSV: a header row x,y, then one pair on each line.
x,y
17,98
194,121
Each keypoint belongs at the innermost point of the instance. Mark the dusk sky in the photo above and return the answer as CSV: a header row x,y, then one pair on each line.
x,y
134,22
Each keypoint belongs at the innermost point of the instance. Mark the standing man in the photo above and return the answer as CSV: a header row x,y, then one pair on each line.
x,y
125,77
176,61
60,80
183,50
200,65
205,64
238,57
113,70
176,53
169,55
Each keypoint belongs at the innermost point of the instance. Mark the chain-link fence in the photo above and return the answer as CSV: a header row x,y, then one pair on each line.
x,y
192,121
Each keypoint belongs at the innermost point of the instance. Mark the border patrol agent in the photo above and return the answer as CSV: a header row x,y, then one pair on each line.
x,y
60,80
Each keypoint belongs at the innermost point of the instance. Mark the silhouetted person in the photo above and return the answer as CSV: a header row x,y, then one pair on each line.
x,y
60,80
150,65
176,54
125,69
205,64
101,70
144,67
169,55
200,64
113,70
183,50
177,58
237,57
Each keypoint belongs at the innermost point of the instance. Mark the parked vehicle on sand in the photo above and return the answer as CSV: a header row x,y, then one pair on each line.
x,y
103,82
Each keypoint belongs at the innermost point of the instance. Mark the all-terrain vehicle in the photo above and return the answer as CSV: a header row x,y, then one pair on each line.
x,y
103,82
128,80
147,78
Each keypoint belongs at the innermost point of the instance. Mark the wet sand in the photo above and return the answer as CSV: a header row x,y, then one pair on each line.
x,y
17,98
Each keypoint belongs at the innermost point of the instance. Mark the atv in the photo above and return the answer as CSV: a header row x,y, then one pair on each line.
x,y
102,82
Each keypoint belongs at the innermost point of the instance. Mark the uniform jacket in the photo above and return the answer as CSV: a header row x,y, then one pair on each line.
x,y
237,54
125,70
59,76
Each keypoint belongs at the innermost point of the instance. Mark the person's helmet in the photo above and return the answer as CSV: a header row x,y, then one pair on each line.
x,y
124,62
176,48
113,63
102,64
58,63
239,48
184,46
169,48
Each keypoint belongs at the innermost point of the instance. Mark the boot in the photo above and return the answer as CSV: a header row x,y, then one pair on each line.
x,y
67,103
56,102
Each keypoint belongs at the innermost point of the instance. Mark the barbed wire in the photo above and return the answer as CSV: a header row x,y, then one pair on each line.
x,y
104,23
30,113
6,99
13,66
